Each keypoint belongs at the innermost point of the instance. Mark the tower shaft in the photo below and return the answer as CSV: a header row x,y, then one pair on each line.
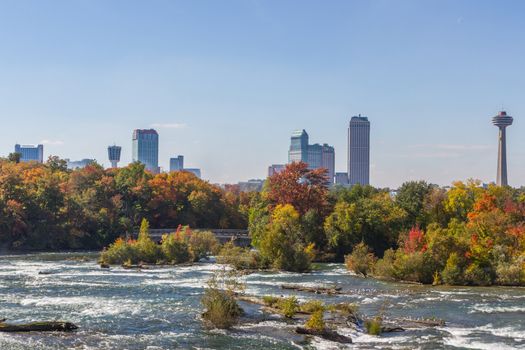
x,y
501,179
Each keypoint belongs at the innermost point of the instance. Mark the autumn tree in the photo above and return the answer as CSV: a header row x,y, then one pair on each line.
x,y
303,188
280,244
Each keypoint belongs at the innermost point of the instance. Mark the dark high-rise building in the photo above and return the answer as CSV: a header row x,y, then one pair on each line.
x,y
146,148
502,120
359,151
177,163
114,155
30,153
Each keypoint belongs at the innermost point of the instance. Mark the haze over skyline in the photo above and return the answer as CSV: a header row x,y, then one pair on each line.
x,y
226,83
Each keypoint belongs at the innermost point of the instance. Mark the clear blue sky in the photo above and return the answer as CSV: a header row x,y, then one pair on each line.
x,y
226,82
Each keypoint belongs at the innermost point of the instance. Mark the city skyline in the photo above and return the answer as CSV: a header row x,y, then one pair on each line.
x,y
146,150
69,72
315,155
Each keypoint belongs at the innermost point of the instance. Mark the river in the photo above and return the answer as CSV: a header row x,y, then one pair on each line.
x,y
159,308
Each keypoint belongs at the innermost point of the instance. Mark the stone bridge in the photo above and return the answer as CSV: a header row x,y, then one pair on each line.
x,y
239,237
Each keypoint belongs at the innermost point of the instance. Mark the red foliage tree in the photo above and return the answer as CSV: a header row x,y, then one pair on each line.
x,y
415,241
301,187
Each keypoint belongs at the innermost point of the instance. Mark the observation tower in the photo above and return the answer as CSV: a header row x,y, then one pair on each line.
x,y
502,120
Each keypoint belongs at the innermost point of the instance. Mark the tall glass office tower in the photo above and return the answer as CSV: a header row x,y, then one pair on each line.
x,y
298,147
359,151
30,153
145,148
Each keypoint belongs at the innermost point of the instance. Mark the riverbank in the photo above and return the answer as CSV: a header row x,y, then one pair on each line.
x,y
160,307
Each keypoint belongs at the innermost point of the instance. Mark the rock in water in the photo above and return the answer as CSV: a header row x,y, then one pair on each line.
x,y
316,290
388,329
51,326
325,334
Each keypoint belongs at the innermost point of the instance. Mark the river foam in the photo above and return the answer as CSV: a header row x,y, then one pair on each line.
x,y
159,308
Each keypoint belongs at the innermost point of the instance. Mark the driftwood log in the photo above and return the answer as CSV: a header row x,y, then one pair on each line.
x,y
325,334
51,326
316,290
408,322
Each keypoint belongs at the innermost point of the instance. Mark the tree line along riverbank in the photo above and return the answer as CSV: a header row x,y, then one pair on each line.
x,y
466,234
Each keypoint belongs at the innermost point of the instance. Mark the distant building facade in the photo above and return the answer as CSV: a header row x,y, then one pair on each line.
x,y
316,155
359,151
145,148
194,171
114,155
341,179
254,185
328,161
275,169
30,153
177,163
79,164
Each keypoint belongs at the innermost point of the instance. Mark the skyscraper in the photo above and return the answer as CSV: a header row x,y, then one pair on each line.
x,y
502,120
328,161
146,148
359,151
177,163
316,155
298,147
114,155
30,153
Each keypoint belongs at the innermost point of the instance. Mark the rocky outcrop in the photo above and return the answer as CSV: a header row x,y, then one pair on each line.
x,y
316,290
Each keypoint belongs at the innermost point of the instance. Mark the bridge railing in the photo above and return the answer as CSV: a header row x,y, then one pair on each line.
x,y
158,232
